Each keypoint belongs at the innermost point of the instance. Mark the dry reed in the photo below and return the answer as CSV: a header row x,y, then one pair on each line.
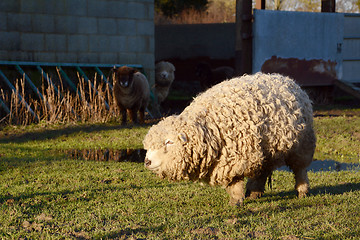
x,y
93,102
219,11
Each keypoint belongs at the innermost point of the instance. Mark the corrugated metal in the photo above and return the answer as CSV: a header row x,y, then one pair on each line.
x,y
351,24
351,71
304,42
283,37
351,48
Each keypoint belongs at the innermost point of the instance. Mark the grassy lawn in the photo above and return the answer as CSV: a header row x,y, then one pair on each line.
x,y
46,194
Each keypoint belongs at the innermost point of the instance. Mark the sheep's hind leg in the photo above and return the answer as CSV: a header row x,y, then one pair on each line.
x,y
236,192
142,116
298,164
300,159
301,182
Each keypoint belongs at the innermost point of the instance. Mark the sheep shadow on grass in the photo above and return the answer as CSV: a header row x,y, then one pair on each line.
x,y
46,134
317,166
335,190
338,189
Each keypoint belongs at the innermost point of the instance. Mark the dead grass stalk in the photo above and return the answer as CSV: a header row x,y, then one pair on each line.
x,y
88,104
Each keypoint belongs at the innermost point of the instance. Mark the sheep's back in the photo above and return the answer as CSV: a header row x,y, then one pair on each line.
x,y
269,109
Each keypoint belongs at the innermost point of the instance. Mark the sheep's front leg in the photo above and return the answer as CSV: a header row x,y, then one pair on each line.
x,y
133,115
236,192
123,115
255,186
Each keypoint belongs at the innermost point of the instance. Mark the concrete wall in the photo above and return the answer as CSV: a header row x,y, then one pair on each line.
x,y
78,31
188,41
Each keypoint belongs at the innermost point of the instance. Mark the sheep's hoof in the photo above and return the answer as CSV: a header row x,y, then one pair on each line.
x,y
302,190
236,202
302,194
255,195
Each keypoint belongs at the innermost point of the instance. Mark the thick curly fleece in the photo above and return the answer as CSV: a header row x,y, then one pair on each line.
x,y
236,129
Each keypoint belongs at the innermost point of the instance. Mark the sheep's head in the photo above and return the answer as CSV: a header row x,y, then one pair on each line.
x,y
165,150
124,76
164,73
203,70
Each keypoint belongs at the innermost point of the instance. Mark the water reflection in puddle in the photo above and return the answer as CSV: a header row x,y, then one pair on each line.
x,y
138,155
328,165
123,155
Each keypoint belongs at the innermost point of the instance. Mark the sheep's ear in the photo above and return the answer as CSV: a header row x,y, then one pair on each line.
x,y
183,137
111,73
133,71
169,142
172,67
113,69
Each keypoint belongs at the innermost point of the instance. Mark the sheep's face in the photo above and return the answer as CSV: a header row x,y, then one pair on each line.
x,y
124,76
161,159
164,72
165,150
203,70
156,158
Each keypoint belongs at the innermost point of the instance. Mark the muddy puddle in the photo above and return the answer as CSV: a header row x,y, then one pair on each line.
x,y
123,155
138,155
328,165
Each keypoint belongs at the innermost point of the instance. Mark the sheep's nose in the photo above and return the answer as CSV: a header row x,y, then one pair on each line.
x,y
164,74
147,162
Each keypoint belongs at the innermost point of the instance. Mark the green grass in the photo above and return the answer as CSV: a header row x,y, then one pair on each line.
x,y
338,138
45,194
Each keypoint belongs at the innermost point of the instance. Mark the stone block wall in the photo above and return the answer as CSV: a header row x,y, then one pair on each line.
x,y
78,31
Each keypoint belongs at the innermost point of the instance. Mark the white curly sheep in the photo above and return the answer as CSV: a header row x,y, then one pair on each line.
x,y
243,127
164,76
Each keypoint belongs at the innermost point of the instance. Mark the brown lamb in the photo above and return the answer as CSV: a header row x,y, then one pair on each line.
x,y
131,92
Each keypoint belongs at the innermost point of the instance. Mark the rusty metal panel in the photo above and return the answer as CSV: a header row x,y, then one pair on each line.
x,y
315,72
304,45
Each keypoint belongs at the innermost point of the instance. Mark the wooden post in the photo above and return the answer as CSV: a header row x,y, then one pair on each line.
x,y
243,47
260,4
328,6
238,37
